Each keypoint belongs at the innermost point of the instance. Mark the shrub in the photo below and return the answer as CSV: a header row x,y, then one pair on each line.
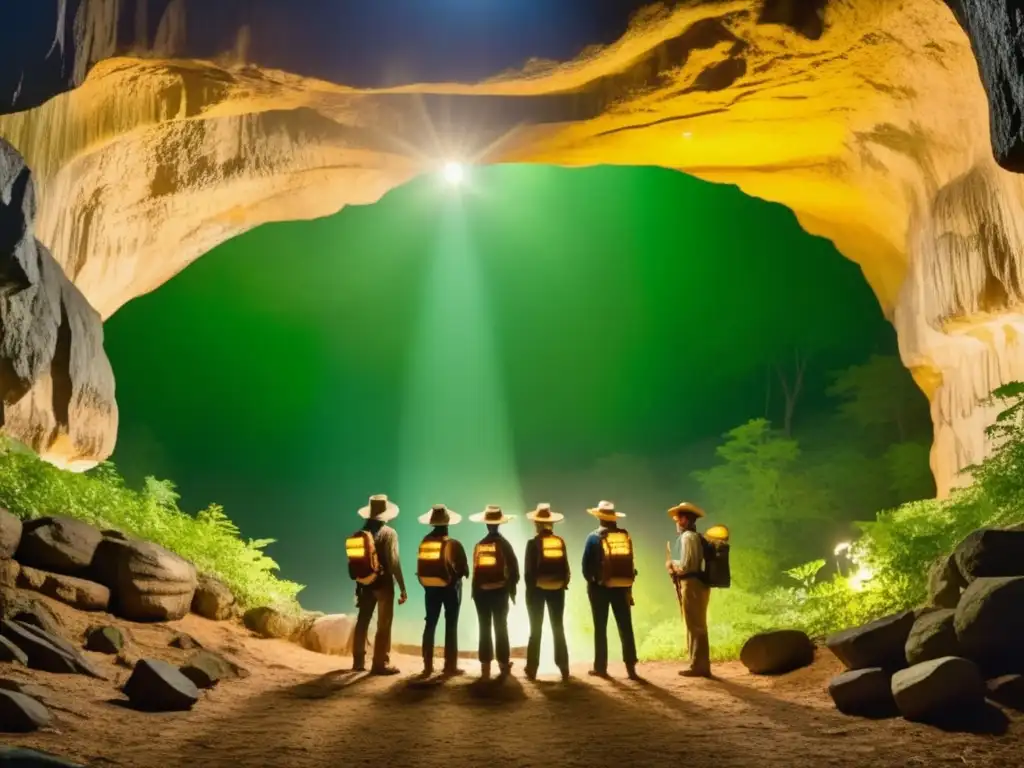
x,y
31,488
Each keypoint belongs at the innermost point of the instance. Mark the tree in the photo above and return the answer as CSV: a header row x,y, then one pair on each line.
x,y
881,395
792,388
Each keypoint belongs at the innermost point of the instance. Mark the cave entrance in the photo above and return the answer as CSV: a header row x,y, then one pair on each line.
x,y
540,334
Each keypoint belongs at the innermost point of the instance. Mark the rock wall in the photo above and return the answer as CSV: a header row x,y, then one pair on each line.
x,y
56,385
869,120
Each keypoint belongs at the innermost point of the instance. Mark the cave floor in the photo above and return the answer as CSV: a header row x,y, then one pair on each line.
x,y
300,709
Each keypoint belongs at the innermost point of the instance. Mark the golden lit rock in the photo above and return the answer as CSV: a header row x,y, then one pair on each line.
x,y
875,133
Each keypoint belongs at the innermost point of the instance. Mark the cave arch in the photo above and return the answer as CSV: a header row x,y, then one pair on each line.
x,y
862,128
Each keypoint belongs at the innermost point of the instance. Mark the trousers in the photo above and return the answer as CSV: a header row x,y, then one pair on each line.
x,y
379,597
617,600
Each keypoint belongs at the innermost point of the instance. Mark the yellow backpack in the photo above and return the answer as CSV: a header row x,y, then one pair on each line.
x,y
433,562
363,564
617,567
489,568
552,563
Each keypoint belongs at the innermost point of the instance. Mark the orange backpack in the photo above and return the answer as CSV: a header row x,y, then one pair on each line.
x,y
617,567
490,571
433,562
552,563
363,564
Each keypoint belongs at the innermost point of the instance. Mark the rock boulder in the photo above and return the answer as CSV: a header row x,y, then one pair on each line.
x,y
22,714
10,534
938,689
990,553
11,653
78,593
206,669
270,622
863,693
58,544
9,570
945,583
109,640
213,600
330,635
1007,690
147,582
156,686
47,652
773,653
880,643
989,623
932,637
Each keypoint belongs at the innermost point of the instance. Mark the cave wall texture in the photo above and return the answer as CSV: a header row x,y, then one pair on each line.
x,y
170,130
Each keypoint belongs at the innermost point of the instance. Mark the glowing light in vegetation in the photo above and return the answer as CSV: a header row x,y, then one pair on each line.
x,y
858,580
841,548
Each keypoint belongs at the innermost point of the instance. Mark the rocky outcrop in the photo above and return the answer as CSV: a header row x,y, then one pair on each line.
x,y
60,544
945,583
56,383
990,552
78,593
881,643
148,582
938,689
932,637
989,623
778,652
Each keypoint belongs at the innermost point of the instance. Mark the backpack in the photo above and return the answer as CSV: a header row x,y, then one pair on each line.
x,y
552,563
433,567
489,568
617,568
716,560
363,564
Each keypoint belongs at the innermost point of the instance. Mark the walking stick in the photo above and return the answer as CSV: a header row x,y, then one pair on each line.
x,y
675,580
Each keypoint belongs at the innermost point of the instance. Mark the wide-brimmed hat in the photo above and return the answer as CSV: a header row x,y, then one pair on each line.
x,y
543,514
492,515
379,508
605,510
439,514
685,508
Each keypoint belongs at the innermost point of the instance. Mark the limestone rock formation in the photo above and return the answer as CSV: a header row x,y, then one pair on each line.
x,y
869,120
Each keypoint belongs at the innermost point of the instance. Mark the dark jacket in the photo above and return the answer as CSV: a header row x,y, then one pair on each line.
x,y
532,558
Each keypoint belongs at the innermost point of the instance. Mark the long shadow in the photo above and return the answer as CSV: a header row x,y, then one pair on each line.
x,y
986,720
795,716
327,685
644,687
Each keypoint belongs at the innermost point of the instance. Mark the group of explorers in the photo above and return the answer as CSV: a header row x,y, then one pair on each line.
x,y
608,570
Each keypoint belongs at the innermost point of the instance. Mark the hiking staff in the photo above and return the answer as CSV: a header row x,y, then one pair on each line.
x,y
675,579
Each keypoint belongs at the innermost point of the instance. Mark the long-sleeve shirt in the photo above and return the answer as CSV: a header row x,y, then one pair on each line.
x,y
457,556
691,555
592,557
531,560
385,540
511,561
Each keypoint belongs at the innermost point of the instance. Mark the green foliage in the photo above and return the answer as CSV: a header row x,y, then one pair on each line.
x,y
806,573
30,488
878,395
909,473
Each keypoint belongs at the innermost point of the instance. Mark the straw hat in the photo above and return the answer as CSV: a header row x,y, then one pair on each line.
x,y
492,515
605,510
685,508
379,508
543,514
439,514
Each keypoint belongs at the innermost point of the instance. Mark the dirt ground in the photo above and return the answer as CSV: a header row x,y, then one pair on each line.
x,y
299,709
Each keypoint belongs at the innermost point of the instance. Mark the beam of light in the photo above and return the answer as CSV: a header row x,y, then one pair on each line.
x,y
456,445
454,173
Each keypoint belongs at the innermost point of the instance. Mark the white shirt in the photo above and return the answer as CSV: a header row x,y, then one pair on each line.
x,y
691,553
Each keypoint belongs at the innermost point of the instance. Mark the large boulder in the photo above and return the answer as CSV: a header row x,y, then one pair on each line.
x,y
774,653
270,622
989,623
22,714
863,692
10,534
78,593
990,553
880,643
330,635
148,582
945,583
1007,690
937,689
213,600
58,544
932,637
156,686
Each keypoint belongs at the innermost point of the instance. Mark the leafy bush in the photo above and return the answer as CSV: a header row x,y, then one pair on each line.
x,y
30,488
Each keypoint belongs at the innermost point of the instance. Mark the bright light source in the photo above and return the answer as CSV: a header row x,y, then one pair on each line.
x,y
840,548
454,173
857,581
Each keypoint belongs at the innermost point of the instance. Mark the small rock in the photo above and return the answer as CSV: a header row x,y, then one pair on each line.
x,y
10,534
270,622
9,652
213,600
184,642
989,624
22,714
778,652
880,643
330,635
863,693
990,553
9,570
156,686
58,544
945,583
19,757
47,652
932,637
206,669
1007,690
108,640
78,593
938,689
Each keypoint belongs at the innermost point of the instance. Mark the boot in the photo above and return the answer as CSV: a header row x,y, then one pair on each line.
x,y
631,672
428,667
453,671
565,674
505,670
485,670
